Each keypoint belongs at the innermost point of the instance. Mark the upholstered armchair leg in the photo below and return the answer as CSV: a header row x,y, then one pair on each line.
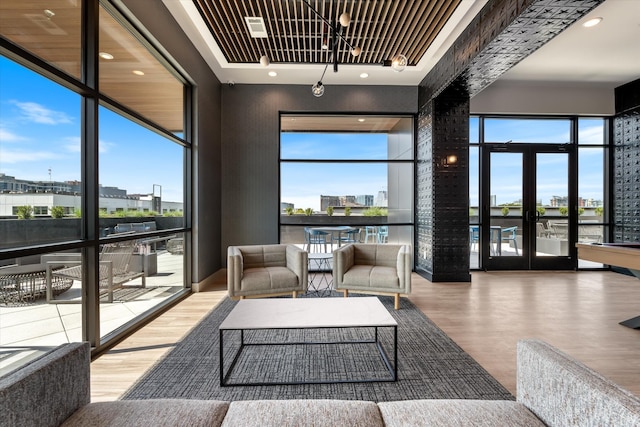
x,y
242,297
346,293
295,294
396,302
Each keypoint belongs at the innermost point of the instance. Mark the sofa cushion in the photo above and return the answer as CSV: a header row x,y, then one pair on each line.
x,y
296,413
385,277
47,390
155,412
562,391
264,256
269,278
457,412
372,276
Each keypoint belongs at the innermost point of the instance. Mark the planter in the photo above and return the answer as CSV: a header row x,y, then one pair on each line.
x,y
145,262
335,220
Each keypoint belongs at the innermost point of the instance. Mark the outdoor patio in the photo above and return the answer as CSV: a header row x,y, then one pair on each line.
x,y
31,329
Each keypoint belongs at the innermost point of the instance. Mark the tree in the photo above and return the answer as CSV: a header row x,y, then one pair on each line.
x,y
541,210
505,210
308,212
57,212
330,210
347,211
375,211
24,212
289,210
563,210
599,211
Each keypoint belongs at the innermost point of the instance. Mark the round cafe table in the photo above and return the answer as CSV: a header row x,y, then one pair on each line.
x,y
320,274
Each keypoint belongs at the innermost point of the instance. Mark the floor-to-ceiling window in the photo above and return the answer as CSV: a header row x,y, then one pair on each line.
x,y
536,187
93,171
346,178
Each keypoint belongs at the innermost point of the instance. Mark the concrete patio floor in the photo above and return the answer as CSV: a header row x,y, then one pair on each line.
x,y
29,330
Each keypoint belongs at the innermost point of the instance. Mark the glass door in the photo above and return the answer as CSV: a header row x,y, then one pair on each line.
x,y
527,210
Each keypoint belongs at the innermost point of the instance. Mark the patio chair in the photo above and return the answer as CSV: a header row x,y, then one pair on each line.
x,y
315,239
370,232
474,236
349,236
114,268
509,234
383,234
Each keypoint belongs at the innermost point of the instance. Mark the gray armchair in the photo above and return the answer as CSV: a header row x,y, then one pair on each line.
x,y
266,270
373,268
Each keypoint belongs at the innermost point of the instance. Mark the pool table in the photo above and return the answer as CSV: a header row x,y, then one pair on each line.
x,y
625,255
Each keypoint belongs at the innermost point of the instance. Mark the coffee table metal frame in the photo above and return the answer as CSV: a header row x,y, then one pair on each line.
x,y
392,368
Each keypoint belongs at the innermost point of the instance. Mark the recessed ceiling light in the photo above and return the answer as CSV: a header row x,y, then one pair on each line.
x,y
361,120
273,73
592,22
138,72
105,55
364,75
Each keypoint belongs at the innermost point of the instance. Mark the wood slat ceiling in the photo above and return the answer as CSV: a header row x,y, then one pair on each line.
x,y
56,38
381,28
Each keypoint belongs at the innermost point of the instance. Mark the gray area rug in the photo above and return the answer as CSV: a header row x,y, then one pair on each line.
x,y
430,365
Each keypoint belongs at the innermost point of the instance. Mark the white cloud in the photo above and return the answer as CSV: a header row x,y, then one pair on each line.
x,y
105,146
36,113
6,136
73,144
17,156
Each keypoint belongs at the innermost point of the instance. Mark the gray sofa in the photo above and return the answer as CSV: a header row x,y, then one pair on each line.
x,y
373,269
553,389
266,270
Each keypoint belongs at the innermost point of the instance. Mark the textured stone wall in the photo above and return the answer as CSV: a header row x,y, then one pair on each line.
x,y
626,164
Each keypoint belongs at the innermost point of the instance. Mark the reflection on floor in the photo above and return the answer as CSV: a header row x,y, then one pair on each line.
x,y
508,250
29,330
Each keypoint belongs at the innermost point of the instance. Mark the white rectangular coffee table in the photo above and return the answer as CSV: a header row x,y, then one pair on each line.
x,y
309,313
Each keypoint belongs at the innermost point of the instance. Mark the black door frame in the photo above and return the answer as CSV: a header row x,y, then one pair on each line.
x,y
528,260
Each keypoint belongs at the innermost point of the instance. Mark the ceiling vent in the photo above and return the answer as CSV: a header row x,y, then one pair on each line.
x,y
256,26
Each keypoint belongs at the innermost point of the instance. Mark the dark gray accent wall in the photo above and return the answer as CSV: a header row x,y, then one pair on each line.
x,y
626,164
206,162
250,152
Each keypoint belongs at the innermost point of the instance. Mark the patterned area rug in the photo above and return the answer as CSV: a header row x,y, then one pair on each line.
x,y
430,366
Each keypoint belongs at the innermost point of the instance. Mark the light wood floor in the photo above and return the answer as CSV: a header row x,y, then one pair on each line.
x,y
577,312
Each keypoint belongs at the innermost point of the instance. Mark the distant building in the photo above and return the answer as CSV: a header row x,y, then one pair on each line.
x,y
326,201
557,201
42,196
365,199
382,200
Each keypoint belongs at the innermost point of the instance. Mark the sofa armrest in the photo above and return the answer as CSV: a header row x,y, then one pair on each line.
x,y
561,391
403,266
234,270
297,261
48,390
343,260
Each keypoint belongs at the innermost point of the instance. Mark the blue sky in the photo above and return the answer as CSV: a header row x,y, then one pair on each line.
x,y
40,139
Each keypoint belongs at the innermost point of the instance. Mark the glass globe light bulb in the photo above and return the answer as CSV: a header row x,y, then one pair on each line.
x,y
317,89
399,63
